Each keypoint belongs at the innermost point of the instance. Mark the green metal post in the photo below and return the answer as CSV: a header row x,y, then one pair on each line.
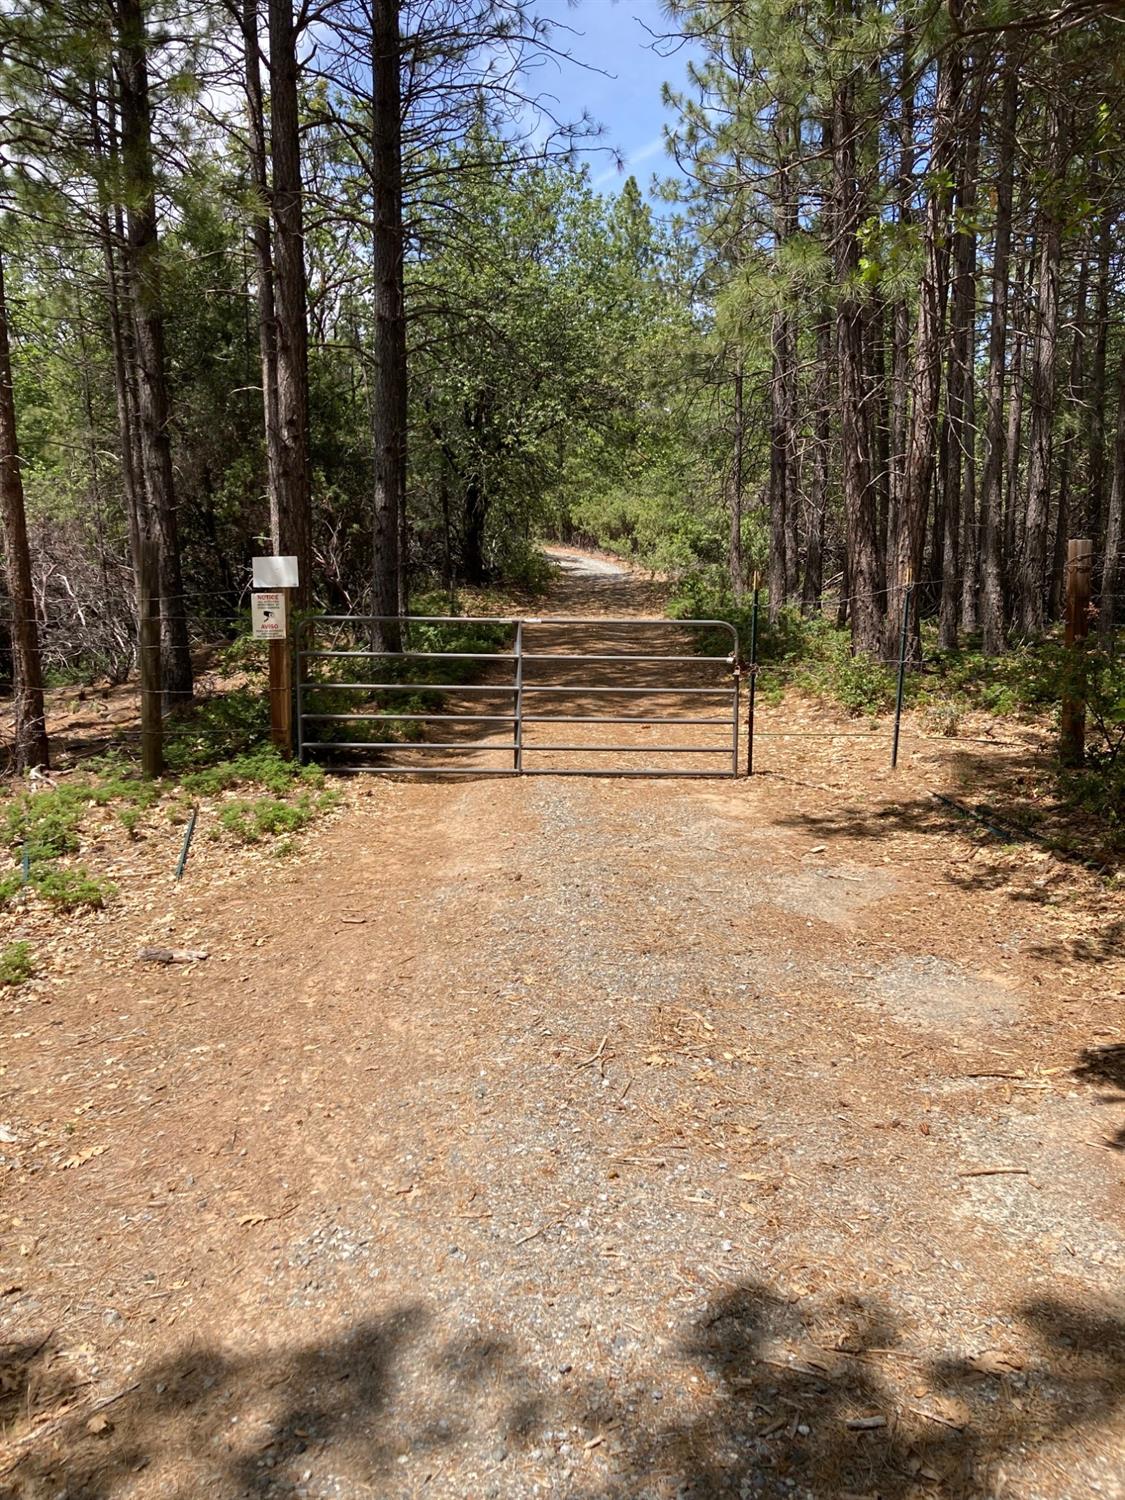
x,y
901,670
753,682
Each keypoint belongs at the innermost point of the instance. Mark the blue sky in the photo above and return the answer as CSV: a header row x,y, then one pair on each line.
x,y
624,94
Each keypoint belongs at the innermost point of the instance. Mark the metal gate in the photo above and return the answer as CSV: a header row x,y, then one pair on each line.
x,y
421,709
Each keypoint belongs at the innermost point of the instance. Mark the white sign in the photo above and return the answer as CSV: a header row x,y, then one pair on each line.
x,y
275,572
268,615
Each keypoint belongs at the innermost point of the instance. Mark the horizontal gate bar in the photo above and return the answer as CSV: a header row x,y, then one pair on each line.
x,y
664,621
390,717
412,687
617,656
635,749
507,771
408,745
610,719
456,655
659,691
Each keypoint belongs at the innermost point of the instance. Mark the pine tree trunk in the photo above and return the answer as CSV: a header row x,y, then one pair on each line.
x,y
907,546
262,248
900,310
861,540
818,488
1095,508
1020,322
120,336
389,352
144,286
29,740
958,572
1113,567
290,499
779,451
992,496
1075,400
735,482
1033,561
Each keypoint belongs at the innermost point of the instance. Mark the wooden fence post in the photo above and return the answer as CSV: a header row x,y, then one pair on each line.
x,y
1072,725
281,685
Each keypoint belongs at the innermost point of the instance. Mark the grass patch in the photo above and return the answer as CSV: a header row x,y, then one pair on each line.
x,y
16,964
267,817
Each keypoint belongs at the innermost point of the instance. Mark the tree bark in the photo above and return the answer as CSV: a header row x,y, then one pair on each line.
x,y
907,546
992,497
1095,509
260,244
1033,561
29,740
389,354
735,481
291,503
861,540
958,571
144,285
779,454
1113,566
1013,512
900,310
1075,402
818,488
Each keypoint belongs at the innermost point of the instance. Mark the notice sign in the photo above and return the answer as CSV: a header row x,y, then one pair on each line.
x,y
268,615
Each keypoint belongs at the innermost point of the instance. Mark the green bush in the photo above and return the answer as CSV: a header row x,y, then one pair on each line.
x,y
71,888
16,964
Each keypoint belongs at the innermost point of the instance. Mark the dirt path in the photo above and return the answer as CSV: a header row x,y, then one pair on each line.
x,y
581,1138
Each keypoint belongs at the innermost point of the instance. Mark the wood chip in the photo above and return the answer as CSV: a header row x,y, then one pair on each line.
x,y
865,1424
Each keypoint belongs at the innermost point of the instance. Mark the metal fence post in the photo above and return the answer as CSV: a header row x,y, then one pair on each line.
x,y
1072,725
753,679
906,593
517,754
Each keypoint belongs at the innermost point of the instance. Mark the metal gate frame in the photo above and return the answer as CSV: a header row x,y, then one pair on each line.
x,y
519,690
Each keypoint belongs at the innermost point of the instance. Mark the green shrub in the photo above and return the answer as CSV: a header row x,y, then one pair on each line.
x,y
71,888
16,964
46,822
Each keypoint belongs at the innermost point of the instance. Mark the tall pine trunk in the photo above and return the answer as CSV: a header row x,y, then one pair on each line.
x,y
818,486
260,244
146,298
1095,509
1075,401
958,571
29,742
290,498
907,546
1113,566
1033,560
860,522
388,391
735,480
992,494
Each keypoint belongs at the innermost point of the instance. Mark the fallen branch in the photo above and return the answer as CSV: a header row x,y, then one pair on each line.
x,y
172,955
996,1172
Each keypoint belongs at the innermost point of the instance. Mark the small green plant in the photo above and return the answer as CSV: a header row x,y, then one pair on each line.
x,y
264,767
16,964
71,888
129,818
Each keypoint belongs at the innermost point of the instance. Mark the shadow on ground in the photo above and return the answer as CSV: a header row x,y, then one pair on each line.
x,y
1106,1066
390,1408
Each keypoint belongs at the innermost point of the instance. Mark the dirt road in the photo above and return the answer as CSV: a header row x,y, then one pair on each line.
x,y
581,1138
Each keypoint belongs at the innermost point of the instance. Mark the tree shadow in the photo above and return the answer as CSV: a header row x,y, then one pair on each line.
x,y
834,1422
827,1400
1105,1065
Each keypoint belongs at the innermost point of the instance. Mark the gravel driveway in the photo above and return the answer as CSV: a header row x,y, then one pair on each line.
x,y
580,1138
